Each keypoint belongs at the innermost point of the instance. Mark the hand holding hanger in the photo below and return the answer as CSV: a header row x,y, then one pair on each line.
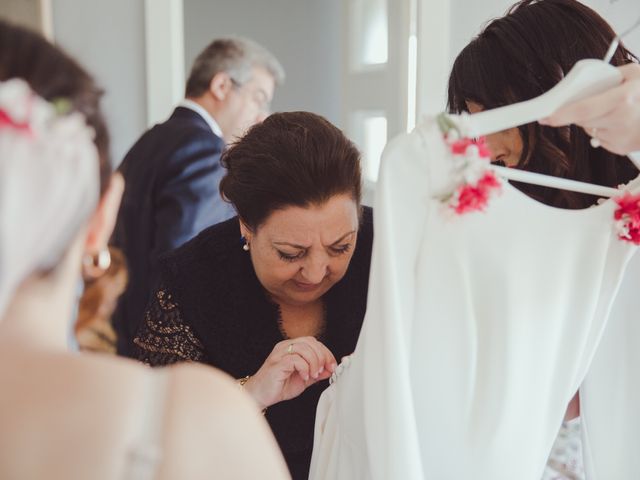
x,y
613,116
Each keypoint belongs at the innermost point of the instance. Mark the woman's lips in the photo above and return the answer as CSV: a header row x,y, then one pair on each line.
x,y
306,287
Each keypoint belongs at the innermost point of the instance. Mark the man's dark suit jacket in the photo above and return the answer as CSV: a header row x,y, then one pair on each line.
x,y
172,175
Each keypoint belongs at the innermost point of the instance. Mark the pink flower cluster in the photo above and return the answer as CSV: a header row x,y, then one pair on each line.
x,y
7,121
475,197
459,147
480,182
627,218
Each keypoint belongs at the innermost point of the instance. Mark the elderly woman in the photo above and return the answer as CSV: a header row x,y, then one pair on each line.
x,y
275,295
73,416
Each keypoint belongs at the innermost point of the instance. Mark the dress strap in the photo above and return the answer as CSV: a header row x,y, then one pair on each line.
x,y
143,457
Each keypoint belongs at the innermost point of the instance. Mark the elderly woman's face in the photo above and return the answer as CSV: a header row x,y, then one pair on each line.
x,y
300,253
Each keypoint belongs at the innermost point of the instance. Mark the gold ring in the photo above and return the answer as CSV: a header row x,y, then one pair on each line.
x,y
290,348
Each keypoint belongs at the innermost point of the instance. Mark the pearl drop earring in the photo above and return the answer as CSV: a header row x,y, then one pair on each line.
x,y
245,243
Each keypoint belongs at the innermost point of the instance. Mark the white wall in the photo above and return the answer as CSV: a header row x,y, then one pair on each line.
x,y
305,35
468,17
621,14
107,37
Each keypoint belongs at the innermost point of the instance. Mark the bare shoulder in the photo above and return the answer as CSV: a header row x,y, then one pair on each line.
x,y
66,416
226,430
96,403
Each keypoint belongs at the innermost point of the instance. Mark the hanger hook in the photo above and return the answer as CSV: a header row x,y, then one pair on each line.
x,y
616,40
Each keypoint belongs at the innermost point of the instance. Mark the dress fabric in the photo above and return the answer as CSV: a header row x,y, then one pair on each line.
x,y
211,308
479,329
610,393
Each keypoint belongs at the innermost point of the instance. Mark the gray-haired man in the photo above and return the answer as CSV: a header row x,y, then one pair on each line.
x,y
173,171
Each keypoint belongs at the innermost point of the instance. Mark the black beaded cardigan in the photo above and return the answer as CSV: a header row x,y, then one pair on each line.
x,y
211,308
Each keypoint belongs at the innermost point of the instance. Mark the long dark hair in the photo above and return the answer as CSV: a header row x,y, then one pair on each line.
x,y
522,55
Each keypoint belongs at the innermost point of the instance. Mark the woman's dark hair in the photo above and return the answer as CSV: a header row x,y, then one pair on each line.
x,y
522,55
53,74
290,159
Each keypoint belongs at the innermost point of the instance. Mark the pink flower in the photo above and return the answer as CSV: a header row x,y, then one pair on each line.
x,y
476,181
628,218
7,121
489,182
459,147
470,197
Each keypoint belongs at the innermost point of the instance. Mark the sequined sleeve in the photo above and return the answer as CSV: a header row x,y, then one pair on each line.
x,y
164,338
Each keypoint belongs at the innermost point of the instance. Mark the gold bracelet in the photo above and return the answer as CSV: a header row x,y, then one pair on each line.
x,y
241,382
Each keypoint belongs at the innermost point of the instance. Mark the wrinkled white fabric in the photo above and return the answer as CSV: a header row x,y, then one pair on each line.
x,y
49,183
610,394
479,329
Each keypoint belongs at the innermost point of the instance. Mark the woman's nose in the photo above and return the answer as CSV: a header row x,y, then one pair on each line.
x,y
315,269
498,152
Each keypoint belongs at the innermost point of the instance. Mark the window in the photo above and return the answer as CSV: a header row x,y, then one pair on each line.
x,y
370,134
369,30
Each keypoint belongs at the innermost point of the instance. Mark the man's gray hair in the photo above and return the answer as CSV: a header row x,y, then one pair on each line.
x,y
234,55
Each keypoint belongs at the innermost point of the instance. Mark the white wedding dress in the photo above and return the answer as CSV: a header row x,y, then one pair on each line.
x,y
479,330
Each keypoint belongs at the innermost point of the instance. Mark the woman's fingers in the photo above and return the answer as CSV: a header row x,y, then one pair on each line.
x,y
612,117
600,110
630,71
317,354
290,368
308,354
297,364
584,112
327,360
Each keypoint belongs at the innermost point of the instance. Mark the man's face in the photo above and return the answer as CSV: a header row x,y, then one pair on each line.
x,y
248,103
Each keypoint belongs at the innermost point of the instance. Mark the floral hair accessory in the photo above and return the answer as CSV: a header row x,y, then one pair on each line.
x,y
627,218
49,182
475,182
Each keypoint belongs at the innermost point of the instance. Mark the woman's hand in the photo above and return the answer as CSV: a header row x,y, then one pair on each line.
x,y
613,117
291,367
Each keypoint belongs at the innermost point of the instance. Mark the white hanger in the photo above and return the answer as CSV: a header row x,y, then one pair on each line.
x,y
543,180
616,41
587,77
